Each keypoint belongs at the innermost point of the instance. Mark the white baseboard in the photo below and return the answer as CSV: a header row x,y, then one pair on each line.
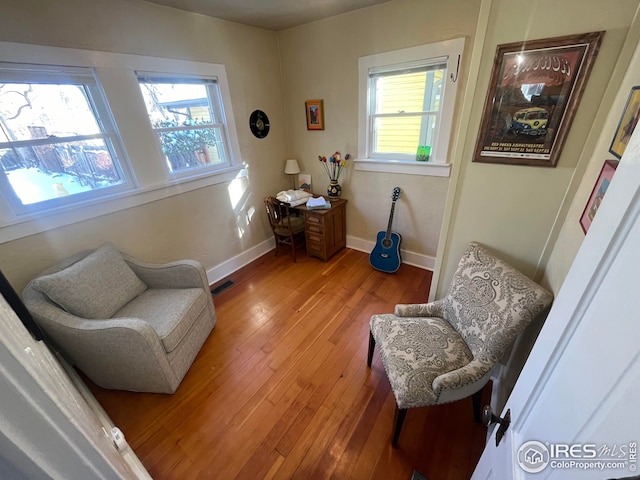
x,y
226,268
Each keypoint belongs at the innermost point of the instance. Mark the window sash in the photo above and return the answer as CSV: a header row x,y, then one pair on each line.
x,y
434,56
125,116
216,114
427,135
96,103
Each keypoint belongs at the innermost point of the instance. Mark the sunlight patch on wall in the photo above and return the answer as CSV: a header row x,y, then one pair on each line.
x,y
238,187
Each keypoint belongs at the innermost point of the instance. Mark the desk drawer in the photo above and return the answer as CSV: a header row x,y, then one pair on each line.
x,y
313,227
313,239
314,219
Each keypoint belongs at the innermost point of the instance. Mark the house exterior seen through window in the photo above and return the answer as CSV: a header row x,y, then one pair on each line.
x,y
405,109
185,116
86,133
56,140
406,104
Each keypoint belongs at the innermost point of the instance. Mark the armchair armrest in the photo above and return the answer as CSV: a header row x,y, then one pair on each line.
x,y
467,375
180,274
433,309
120,353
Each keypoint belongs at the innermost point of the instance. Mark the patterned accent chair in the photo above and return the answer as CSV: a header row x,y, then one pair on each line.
x,y
127,324
444,351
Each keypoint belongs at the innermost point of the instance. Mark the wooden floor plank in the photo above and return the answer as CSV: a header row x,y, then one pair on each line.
x,y
281,389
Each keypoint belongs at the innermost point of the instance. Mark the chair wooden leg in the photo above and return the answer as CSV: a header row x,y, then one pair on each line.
x,y
372,345
397,425
476,398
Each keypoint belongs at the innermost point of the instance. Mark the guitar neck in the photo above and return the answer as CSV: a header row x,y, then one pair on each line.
x,y
393,207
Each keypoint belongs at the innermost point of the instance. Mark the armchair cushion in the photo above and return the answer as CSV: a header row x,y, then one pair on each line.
x,y
171,312
414,351
95,287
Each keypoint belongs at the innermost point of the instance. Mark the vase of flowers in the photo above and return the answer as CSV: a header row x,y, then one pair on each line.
x,y
334,167
334,190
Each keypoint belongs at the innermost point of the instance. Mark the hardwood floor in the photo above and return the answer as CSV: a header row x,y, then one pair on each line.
x,y
281,389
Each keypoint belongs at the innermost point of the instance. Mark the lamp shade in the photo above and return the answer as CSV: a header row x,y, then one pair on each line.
x,y
292,167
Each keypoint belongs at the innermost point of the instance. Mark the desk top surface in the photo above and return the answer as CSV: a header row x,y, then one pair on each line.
x,y
334,204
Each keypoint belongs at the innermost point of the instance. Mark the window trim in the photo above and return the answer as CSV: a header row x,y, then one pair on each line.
x,y
449,49
85,77
217,109
115,74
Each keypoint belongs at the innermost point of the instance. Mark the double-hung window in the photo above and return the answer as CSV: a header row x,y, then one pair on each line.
x,y
187,117
407,98
58,145
86,133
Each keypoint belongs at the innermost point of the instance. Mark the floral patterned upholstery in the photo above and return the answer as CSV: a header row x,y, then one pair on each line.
x,y
416,352
453,343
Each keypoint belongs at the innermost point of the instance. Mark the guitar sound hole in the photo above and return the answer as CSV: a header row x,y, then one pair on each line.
x,y
386,243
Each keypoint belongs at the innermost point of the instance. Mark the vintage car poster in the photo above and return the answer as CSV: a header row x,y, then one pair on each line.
x,y
534,91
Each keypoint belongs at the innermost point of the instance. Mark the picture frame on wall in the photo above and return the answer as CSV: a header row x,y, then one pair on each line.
x,y
534,92
597,194
315,114
627,124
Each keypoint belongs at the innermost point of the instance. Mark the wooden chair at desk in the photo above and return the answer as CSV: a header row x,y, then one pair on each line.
x,y
285,226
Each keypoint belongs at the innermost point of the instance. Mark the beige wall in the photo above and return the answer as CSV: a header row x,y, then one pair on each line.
x,y
571,235
320,60
201,224
514,208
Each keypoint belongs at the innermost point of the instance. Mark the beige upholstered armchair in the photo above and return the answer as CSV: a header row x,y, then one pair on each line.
x,y
128,325
444,351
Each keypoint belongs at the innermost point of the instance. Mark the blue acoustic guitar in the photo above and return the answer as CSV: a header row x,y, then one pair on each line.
x,y
385,256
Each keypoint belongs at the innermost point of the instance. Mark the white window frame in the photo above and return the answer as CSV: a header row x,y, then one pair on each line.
x,y
20,73
438,165
217,109
116,76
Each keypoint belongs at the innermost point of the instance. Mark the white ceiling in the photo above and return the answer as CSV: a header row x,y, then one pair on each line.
x,y
269,14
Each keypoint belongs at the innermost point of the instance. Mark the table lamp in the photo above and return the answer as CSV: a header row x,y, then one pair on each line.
x,y
292,168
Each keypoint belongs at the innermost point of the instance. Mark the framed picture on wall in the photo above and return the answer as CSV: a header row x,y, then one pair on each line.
x,y
315,114
627,123
534,92
597,194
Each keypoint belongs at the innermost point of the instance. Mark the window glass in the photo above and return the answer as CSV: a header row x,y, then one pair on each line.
x,y
72,146
406,108
53,143
187,119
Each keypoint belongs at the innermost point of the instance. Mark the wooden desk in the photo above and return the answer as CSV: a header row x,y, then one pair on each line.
x,y
325,230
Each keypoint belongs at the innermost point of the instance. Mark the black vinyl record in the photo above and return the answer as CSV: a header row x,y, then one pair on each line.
x,y
259,123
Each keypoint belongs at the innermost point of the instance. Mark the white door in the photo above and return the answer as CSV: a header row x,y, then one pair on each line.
x,y
51,427
574,410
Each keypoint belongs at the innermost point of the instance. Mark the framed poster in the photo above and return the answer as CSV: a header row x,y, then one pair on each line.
x,y
597,194
534,91
627,123
315,114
